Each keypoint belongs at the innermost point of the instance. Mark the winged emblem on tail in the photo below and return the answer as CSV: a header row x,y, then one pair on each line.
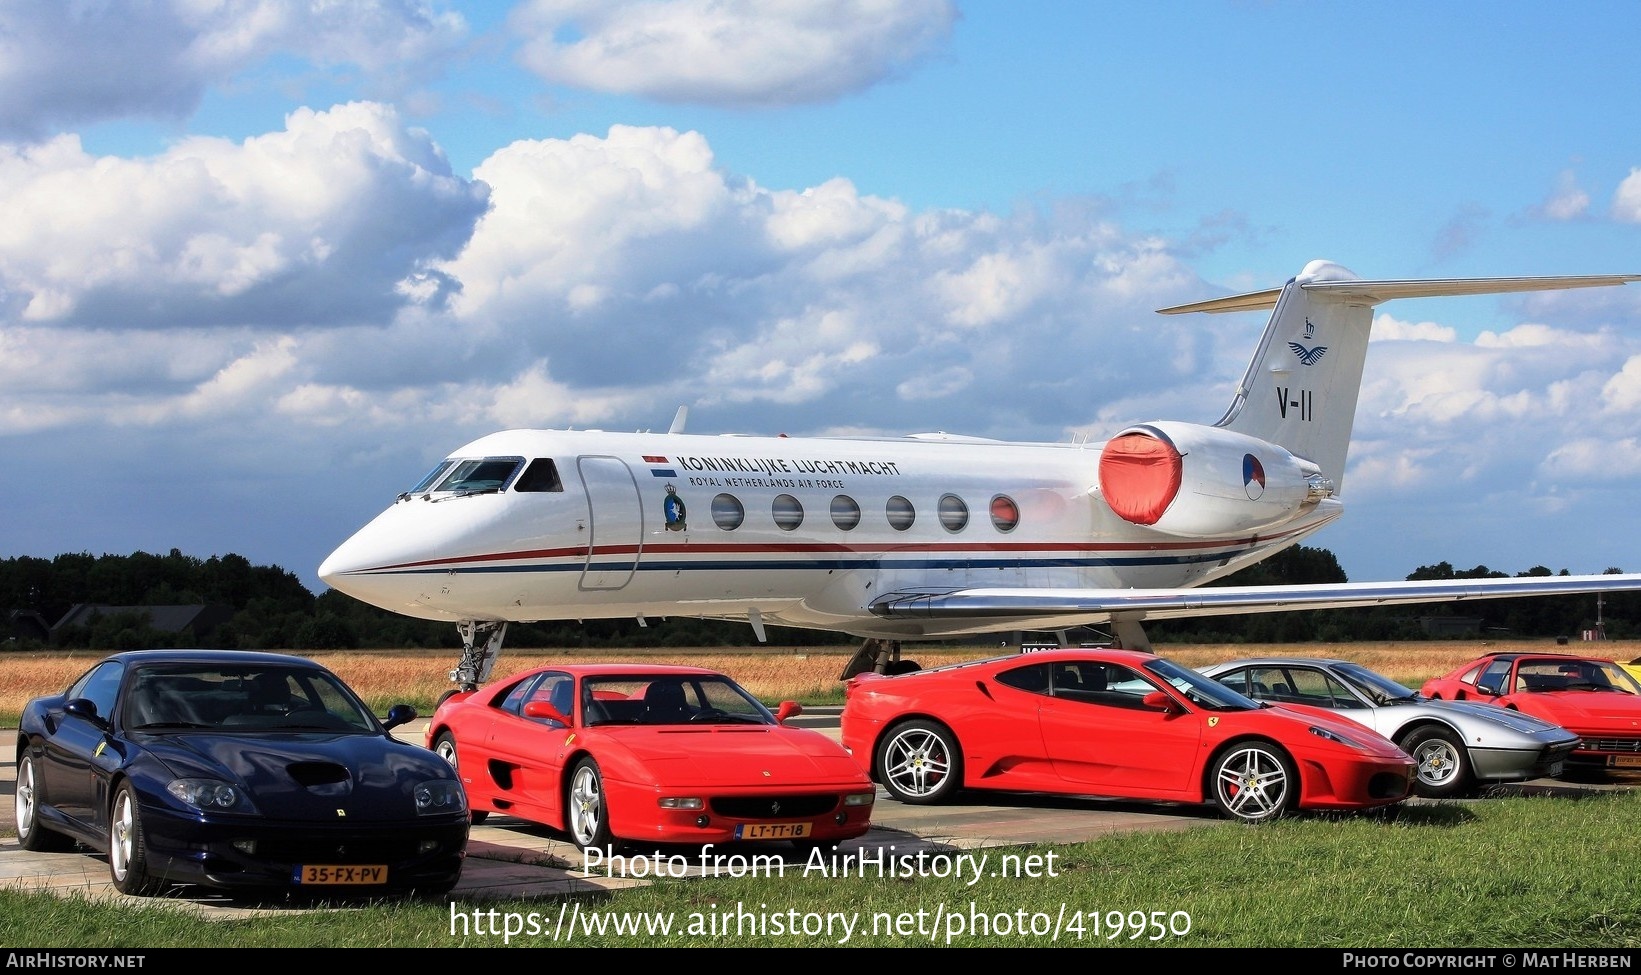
x,y
1307,356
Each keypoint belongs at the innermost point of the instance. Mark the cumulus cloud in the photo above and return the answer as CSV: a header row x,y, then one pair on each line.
x,y
317,223
633,258
729,52
1508,411
64,64
1569,201
1627,200
1389,328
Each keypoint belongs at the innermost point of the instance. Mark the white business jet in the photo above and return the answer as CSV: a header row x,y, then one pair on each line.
x,y
927,536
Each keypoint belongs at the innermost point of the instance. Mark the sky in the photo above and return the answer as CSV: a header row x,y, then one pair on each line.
x,y
263,262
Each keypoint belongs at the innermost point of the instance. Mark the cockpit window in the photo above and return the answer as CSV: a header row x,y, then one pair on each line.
x,y
541,475
430,478
480,475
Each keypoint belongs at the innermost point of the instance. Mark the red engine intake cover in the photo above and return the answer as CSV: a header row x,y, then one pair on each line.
x,y
1139,477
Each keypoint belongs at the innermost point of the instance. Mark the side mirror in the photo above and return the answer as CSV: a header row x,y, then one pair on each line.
x,y
541,709
787,709
82,707
399,714
1490,688
1158,701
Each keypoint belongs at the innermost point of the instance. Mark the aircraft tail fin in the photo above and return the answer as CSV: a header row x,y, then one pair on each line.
x,y
1301,387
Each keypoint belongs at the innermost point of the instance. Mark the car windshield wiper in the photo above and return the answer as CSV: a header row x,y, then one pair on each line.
x,y
155,725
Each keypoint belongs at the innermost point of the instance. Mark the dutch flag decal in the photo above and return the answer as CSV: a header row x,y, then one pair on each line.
x,y
659,467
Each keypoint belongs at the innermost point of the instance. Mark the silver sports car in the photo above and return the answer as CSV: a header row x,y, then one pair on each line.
x,y
1459,745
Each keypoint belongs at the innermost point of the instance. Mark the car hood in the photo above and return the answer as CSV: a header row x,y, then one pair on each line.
x,y
307,776
1514,720
1323,718
1605,706
726,754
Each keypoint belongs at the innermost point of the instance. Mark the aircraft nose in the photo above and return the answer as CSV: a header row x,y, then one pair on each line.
x,y
348,558
336,564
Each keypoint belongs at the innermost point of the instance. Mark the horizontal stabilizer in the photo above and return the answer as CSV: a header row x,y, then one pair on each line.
x,y
1374,292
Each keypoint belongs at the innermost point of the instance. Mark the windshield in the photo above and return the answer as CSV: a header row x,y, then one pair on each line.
x,y
670,699
478,475
1200,689
189,697
1573,674
1375,686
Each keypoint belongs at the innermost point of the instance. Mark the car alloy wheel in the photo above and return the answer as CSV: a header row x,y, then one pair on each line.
x,y
588,813
919,762
1254,783
1443,766
30,834
127,846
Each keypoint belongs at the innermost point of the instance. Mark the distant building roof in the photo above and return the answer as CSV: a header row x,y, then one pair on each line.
x,y
26,624
200,620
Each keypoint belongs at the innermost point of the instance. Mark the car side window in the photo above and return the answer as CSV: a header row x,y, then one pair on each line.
x,y
1494,678
1033,678
513,701
1091,682
1319,689
101,686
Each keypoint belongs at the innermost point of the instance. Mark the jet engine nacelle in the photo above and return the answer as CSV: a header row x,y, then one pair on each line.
x,y
1193,480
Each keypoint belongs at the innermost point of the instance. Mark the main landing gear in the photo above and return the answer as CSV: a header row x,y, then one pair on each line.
x,y
879,657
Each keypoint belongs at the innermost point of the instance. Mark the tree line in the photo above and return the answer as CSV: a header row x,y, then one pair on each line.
x,y
272,610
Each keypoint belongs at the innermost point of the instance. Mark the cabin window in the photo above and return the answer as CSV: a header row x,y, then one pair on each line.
x,y
727,512
954,514
1005,514
845,512
481,475
900,513
541,475
788,512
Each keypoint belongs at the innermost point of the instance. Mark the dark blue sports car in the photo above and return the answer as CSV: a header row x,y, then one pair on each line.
x,y
244,772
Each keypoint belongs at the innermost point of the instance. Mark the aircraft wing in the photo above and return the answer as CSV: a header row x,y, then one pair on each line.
x,y
1133,605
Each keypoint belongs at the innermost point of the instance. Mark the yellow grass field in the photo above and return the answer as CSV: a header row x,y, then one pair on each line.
x,y
383,677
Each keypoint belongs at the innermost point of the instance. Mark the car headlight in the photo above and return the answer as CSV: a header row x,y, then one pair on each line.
x,y
211,795
439,796
859,798
1336,736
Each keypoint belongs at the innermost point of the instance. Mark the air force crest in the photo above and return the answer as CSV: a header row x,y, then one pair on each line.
x,y
672,510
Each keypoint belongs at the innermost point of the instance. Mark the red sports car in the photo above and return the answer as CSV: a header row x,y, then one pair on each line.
x,y
613,753
1592,697
1116,723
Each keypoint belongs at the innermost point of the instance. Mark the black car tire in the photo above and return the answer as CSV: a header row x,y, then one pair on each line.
x,y
127,846
920,762
31,835
586,811
1444,770
445,747
1254,782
